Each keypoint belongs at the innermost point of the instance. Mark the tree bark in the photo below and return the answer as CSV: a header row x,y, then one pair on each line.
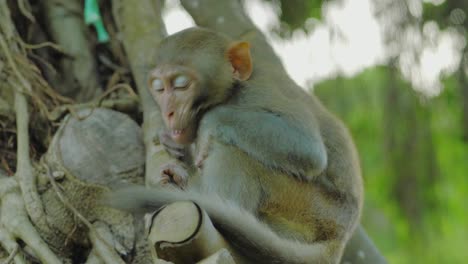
x,y
78,70
182,232
142,28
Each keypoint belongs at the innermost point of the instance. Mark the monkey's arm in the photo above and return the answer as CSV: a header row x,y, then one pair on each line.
x,y
243,230
269,138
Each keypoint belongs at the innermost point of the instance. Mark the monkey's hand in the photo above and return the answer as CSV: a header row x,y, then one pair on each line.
x,y
203,149
174,173
176,150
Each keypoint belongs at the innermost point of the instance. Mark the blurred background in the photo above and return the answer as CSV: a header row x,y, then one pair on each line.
x,y
396,72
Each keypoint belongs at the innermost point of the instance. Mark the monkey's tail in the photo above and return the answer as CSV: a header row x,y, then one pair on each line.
x,y
250,237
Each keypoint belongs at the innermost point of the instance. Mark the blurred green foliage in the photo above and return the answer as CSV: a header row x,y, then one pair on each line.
x,y
442,234
447,13
295,13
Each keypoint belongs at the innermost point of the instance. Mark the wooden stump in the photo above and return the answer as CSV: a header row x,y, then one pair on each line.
x,y
221,257
183,233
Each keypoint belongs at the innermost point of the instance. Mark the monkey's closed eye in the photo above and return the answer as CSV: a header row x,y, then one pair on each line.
x,y
180,81
157,85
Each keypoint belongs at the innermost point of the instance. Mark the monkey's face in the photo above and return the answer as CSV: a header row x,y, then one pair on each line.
x,y
178,92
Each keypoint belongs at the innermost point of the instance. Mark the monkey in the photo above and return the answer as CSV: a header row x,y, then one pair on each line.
x,y
250,134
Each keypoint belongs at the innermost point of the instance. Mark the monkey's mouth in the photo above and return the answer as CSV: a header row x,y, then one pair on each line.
x,y
183,128
183,135
178,133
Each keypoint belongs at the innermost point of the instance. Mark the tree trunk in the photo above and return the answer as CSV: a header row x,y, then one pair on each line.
x,y
409,144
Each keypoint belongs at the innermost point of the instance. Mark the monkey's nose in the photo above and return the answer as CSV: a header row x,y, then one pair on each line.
x,y
170,114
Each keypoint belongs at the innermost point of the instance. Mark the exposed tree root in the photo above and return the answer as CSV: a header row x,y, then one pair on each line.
x,y
13,254
25,174
15,220
101,238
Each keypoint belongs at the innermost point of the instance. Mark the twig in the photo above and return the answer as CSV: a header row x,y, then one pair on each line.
x,y
116,87
47,64
6,166
70,234
12,255
107,62
12,64
37,74
60,111
25,11
25,84
42,45
113,80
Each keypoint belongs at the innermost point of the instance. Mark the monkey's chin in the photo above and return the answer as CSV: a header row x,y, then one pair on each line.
x,y
182,136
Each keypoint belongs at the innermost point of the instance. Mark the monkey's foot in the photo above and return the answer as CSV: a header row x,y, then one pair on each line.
x,y
174,173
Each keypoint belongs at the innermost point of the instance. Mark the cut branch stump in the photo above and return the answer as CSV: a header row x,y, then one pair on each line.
x,y
183,233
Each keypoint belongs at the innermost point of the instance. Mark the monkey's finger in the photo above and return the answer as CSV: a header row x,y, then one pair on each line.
x,y
172,145
164,180
178,153
180,177
176,174
166,139
201,158
173,148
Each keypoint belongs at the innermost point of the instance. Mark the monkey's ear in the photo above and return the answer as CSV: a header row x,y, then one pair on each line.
x,y
239,56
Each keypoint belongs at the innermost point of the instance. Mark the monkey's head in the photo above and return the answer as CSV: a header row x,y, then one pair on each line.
x,y
196,69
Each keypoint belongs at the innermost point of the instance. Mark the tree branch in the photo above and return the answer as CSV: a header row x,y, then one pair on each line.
x,y
142,28
78,69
